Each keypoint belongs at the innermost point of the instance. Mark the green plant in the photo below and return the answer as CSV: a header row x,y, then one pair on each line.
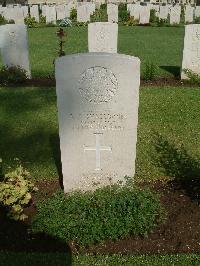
x,y
15,192
100,15
123,14
42,19
12,75
111,212
162,22
131,22
197,20
30,22
153,17
193,77
150,70
73,14
3,21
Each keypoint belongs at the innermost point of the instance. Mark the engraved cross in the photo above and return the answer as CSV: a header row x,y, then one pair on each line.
x,y
98,148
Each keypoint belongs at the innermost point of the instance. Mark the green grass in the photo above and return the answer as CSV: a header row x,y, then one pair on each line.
x,y
29,128
64,259
163,46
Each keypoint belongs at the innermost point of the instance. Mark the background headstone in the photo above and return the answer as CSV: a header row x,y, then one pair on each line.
x,y
189,14
102,37
112,11
144,15
191,51
97,98
175,14
34,12
14,48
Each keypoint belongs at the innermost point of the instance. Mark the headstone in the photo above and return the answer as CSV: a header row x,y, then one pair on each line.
x,y
25,11
191,52
44,7
189,14
83,13
18,15
144,15
102,37
164,11
60,12
34,12
175,14
135,11
50,15
112,11
97,98
197,12
14,47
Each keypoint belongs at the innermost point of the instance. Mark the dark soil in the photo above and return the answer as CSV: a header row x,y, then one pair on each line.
x,y
158,82
179,234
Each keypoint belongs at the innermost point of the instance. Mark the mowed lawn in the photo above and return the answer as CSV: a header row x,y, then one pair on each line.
x,y
161,45
168,118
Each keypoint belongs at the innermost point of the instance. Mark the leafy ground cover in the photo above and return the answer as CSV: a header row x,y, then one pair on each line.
x,y
168,126
161,45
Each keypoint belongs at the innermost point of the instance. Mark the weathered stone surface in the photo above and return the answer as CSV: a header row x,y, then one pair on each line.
x,y
102,37
112,11
50,14
144,15
34,12
14,46
98,97
191,52
189,14
175,14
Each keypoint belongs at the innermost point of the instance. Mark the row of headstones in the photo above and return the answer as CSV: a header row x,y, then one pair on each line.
x,y
85,10
142,13
102,37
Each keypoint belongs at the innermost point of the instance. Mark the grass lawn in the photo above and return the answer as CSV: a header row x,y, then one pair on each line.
x,y
161,45
62,259
29,129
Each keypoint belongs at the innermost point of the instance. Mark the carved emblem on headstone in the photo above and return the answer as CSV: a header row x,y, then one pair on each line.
x,y
90,88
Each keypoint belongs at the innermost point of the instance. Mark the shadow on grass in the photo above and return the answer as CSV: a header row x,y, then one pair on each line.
x,y
55,147
15,237
178,163
175,70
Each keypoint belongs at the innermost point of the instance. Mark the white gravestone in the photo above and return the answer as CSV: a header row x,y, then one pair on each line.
x,y
175,14
34,12
50,15
60,12
18,15
135,11
197,12
14,48
144,15
83,13
25,11
189,14
102,37
97,98
44,7
112,11
164,11
191,52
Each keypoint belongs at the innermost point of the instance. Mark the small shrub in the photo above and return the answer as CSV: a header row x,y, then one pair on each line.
x,y
15,192
30,22
123,14
73,15
3,21
150,71
153,17
12,75
42,19
197,20
111,212
100,15
162,22
131,22
193,77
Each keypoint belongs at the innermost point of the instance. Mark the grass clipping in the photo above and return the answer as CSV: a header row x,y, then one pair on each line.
x,y
88,218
